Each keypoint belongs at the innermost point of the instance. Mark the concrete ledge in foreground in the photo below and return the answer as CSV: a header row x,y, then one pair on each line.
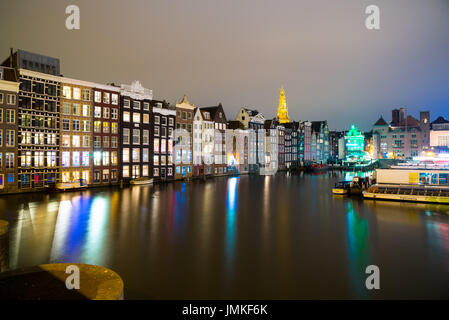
x,y
48,282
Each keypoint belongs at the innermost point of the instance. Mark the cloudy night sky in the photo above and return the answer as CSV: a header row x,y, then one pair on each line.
x,y
240,52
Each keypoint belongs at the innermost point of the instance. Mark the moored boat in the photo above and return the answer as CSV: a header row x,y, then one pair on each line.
x,y
341,188
141,181
76,185
411,184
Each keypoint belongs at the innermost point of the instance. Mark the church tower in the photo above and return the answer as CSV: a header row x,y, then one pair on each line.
x,y
282,108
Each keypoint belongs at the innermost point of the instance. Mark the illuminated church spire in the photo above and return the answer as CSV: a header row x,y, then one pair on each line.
x,y
282,108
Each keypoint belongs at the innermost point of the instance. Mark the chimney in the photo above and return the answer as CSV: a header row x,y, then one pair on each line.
x,y
395,117
424,117
402,115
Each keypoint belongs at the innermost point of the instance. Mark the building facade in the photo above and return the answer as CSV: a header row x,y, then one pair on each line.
x,y
135,130
184,139
9,89
237,143
162,153
404,138
106,134
439,136
254,121
320,142
218,117
76,131
38,119
271,144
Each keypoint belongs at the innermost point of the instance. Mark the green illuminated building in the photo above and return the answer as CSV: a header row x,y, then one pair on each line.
x,y
355,148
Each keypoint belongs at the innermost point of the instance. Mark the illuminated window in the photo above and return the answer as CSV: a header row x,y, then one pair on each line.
x,y
114,158
76,141
51,159
114,142
105,141
105,127
97,112
136,117
146,118
66,108
125,171
105,175
106,113
156,160
145,170
156,145
106,98
86,94
77,93
76,159
125,155
163,150
136,155
126,116
86,110
97,126
114,127
145,153
97,158
67,92
66,141
66,159
97,97
86,126
85,159
114,99
105,158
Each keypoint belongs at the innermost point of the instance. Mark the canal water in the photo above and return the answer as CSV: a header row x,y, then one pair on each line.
x,y
282,237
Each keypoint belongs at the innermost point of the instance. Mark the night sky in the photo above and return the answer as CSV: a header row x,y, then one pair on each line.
x,y
240,52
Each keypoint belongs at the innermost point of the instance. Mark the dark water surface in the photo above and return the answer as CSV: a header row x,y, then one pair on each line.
x,y
283,237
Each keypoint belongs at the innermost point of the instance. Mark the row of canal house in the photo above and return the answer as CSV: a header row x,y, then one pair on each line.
x,y
59,129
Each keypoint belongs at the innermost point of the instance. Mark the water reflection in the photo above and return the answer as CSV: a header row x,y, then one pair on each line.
x,y
231,211
358,244
94,248
237,237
